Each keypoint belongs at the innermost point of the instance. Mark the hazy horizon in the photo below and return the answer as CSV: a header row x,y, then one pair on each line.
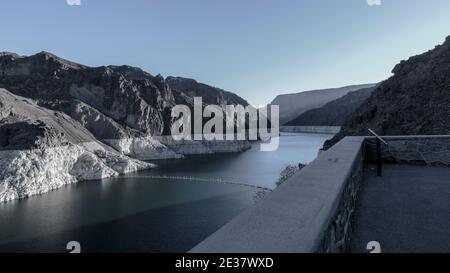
x,y
257,49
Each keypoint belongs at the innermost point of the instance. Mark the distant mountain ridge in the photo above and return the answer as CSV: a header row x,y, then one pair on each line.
x,y
293,105
335,112
414,101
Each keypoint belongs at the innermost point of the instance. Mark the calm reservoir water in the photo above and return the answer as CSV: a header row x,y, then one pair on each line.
x,y
167,209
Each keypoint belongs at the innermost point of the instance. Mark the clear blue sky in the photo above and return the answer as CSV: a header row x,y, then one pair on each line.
x,y
256,48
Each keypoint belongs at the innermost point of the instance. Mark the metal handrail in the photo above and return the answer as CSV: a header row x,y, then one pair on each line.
x,y
378,140
377,136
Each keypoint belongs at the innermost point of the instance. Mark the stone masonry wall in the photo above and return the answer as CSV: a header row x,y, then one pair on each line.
x,y
418,150
337,237
311,129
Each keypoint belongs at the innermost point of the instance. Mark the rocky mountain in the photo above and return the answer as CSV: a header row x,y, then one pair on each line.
x,y
63,122
112,102
209,94
136,102
293,105
414,101
335,112
42,149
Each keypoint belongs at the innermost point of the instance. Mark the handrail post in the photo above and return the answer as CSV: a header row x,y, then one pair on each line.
x,y
378,141
379,162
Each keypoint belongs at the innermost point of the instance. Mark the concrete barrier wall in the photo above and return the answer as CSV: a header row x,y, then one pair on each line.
x,y
311,212
311,129
423,150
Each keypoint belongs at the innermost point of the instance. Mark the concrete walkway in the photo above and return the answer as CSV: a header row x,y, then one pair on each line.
x,y
407,210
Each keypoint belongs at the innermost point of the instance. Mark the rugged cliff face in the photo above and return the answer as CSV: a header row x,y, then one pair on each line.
x,y
335,112
133,100
414,101
63,122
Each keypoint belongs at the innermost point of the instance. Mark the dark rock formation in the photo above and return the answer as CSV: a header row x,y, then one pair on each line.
x,y
333,113
209,94
414,101
25,135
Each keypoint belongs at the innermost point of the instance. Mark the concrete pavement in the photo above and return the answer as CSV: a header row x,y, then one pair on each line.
x,y
406,210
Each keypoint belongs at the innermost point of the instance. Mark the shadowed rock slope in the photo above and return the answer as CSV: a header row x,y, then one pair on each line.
x,y
414,101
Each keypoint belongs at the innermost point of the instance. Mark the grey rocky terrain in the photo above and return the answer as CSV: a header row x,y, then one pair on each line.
x,y
63,122
42,149
414,101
